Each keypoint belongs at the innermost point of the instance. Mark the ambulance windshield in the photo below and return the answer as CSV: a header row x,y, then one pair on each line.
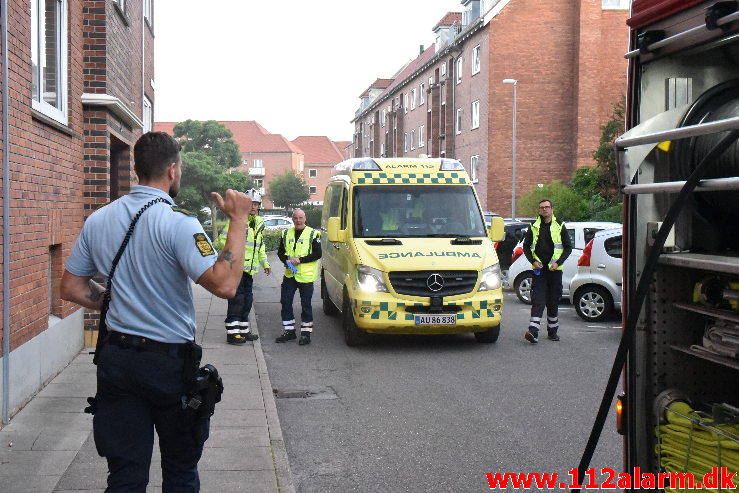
x,y
407,211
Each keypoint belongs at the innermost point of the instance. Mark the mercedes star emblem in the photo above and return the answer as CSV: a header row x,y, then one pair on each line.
x,y
435,282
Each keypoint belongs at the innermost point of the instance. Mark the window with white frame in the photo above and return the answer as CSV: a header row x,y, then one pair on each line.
x,y
405,102
475,117
458,123
382,150
459,70
405,142
383,116
475,59
312,190
413,140
615,4
422,95
443,69
149,12
474,160
413,99
49,58
258,163
258,182
312,173
421,136
245,162
148,115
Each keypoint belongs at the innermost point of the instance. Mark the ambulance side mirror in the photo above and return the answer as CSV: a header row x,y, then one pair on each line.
x,y
497,229
334,233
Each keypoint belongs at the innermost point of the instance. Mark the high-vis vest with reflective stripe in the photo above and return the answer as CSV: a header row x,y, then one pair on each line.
x,y
555,229
255,253
307,272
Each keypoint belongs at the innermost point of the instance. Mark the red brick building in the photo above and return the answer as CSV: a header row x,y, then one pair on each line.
x,y
321,155
567,60
80,92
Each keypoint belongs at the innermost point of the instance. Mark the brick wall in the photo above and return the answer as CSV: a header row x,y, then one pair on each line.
x,y
59,174
45,173
569,64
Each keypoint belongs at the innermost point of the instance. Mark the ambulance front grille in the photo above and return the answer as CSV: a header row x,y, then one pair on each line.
x,y
416,283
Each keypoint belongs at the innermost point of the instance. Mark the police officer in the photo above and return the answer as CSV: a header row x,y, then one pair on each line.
x,y
546,245
300,249
151,316
255,255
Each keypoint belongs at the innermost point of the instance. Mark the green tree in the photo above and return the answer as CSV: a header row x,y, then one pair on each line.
x,y
568,204
211,138
207,153
605,155
288,190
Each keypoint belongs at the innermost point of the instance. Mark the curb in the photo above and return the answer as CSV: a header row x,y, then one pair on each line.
x,y
279,452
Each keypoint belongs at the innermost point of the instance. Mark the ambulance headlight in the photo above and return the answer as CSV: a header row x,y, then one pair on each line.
x,y
370,280
490,278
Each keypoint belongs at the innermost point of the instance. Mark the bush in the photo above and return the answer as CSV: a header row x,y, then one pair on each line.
x,y
272,239
313,217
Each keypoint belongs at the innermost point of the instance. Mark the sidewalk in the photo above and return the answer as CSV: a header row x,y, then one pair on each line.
x,y
48,445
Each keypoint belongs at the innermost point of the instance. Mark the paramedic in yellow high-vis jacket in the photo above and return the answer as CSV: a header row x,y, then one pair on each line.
x,y
300,250
255,256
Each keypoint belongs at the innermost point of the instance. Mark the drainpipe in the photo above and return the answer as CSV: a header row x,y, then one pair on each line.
x,y
6,221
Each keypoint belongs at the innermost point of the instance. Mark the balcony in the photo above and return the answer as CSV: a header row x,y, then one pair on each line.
x,y
256,171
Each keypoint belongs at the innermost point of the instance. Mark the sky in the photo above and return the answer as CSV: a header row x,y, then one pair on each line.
x,y
297,67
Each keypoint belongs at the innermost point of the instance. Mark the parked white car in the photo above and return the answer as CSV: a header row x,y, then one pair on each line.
x,y
595,290
520,273
277,222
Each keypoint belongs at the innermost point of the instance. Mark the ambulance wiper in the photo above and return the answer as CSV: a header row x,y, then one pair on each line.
x,y
384,241
465,240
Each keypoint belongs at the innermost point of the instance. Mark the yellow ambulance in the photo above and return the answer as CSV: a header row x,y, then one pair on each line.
x,y
406,250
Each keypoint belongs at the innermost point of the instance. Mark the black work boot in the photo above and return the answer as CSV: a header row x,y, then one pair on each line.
x,y
250,336
304,338
287,335
235,339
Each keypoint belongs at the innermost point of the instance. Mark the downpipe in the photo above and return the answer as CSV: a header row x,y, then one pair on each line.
x,y
6,221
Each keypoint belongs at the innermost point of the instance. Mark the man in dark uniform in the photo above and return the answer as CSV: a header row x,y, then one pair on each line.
x,y
546,245
151,315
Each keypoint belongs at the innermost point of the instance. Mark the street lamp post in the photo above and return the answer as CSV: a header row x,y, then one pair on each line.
x,y
513,156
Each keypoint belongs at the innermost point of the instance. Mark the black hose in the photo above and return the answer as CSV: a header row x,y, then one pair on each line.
x,y
641,294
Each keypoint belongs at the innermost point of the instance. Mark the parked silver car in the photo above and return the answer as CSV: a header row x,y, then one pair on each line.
x,y
277,222
520,273
595,290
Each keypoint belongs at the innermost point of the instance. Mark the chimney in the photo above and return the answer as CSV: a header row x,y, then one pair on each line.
x,y
420,51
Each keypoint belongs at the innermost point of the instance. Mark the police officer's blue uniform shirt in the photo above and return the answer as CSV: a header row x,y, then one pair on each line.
x,y
151,294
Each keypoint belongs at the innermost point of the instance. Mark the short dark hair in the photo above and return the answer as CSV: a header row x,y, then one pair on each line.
x,y
153,152
546,200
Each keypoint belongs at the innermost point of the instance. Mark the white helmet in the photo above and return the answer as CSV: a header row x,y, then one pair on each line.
x,y
254,195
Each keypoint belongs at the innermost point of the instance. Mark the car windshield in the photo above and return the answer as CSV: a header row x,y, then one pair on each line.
x,y
407,211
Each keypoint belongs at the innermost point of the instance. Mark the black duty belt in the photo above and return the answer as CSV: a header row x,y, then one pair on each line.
x,y
145,344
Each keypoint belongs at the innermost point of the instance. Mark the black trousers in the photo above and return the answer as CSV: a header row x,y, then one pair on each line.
x,y
546,291
139,391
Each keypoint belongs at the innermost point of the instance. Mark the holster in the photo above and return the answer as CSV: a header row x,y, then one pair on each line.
x,y
202,395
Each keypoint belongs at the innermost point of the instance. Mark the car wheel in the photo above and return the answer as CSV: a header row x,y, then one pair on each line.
x,y
522,287
593,303
488,336
353,335
328,306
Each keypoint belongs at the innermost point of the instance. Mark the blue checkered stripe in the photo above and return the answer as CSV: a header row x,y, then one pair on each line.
x,y
440,178
396,311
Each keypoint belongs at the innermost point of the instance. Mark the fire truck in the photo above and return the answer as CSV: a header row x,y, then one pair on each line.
x,y
678,166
